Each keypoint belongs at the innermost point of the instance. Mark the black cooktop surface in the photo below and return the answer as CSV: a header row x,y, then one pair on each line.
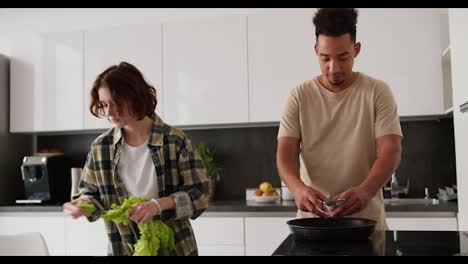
x,y
382,243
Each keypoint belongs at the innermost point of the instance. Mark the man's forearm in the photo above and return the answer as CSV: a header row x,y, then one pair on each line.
x,y
382,169
289,173
288,167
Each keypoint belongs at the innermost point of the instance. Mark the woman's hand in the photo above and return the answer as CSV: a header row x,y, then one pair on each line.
x,y
143,212
73,211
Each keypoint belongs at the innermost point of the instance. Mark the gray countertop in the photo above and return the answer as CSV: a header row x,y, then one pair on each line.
x,y
289,208
31,208
279,208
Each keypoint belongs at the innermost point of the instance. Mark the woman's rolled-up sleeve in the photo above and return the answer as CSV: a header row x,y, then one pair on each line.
x,y
88,188
191,199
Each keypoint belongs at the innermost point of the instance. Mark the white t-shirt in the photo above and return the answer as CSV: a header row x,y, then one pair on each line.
x,y
137,171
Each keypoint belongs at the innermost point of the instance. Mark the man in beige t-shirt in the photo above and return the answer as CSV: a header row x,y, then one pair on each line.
x,y
343,125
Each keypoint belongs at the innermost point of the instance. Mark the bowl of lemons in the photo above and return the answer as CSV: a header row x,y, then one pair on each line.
x,y
265,193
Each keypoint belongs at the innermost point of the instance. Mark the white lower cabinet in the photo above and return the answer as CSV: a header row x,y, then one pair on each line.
x,y
422,223
224,250
63,235
215,236
264,234
51,225
218,236
85,238
239,236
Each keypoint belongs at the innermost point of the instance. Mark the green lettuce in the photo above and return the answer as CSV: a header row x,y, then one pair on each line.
x,y
86,206
155,234
119,213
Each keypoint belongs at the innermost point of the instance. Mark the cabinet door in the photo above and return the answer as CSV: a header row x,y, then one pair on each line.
x,y
62,105
458,20
281,56
26,83
205,71
50,225
219,235
84,238
224,250
263,235
138,45
402,47
461,150
422,223
46,82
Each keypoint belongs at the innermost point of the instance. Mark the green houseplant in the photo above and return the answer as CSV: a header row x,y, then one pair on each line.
x,y
211,164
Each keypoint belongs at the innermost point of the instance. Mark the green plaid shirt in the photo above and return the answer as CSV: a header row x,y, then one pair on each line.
x,y
180,174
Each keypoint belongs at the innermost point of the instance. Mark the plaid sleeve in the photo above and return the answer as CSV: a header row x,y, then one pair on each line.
x,y
192,198
88,189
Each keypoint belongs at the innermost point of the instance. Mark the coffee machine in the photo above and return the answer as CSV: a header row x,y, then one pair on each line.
x,y
46,179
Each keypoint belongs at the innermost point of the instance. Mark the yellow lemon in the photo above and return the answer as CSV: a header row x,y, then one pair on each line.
x,y
265,187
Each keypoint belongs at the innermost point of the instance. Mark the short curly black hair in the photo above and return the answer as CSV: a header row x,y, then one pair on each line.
x,y
336,22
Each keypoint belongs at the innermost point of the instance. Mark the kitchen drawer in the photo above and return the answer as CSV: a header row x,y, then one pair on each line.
x,y
264,234
422,223
83,238
50,225
219,230
221,250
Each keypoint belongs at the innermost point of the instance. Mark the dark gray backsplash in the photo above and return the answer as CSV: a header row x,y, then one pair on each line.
x,y
76,147
428,157
248,155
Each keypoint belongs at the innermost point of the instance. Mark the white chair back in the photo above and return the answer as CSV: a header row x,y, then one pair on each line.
x,y
24,244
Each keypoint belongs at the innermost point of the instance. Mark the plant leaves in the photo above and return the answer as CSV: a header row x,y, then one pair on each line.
x,y
209,161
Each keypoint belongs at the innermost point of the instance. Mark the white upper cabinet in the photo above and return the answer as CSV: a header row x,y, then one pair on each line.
x,y
458,20
281,56
26,83
446,61
138,45
46,83
231,69
62,106
402,47
205,71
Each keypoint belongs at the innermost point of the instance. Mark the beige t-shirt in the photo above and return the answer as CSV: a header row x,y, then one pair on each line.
x,y
338,133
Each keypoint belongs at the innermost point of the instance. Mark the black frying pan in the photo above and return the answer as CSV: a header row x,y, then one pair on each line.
x,y
332,228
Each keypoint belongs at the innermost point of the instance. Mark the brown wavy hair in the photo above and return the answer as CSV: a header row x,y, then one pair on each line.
x,y
127,86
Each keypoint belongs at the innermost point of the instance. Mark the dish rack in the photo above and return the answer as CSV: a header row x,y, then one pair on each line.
x,y
447,193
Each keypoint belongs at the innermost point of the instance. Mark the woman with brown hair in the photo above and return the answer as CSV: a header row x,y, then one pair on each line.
x,y
140,156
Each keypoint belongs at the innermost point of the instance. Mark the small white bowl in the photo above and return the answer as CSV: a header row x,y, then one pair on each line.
x,y
266,199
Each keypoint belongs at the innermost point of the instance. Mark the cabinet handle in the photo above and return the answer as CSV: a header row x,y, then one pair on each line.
x,y
464,107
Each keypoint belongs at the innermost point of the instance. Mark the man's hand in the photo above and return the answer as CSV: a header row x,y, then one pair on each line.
x,y
357,199
143,212
310,200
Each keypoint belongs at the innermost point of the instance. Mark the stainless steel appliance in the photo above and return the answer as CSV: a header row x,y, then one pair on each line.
x,y
46,179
